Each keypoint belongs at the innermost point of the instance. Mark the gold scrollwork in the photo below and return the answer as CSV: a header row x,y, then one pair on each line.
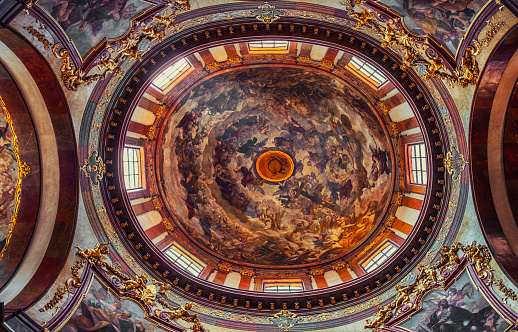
x,y
267,13
317,272
285,319
136,289
430,277
383,107
131,47
23,170
395,131
340,266
94,168
396,35
225,268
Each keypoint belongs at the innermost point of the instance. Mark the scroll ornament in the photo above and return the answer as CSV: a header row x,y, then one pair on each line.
x,y
138,289
131,47
433,276
415,49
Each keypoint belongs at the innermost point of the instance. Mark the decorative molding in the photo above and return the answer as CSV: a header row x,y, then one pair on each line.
x,y
224,268
267,13
383,107
317,272
416,50
23,170
245,273
149,296
94,168
285,319
132,47
434,276
340,266
395,131
455,163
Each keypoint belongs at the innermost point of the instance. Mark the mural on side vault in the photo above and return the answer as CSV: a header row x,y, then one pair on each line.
x,y
461,308
341,181
8,179
101,311
446,20
87,22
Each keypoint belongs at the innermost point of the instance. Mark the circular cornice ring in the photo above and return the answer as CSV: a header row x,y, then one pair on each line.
x,y
430,216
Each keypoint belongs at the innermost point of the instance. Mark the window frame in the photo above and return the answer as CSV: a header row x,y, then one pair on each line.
x,y
370,74
271,283
182,254
269,50
410,164
170,79
141,168
378,254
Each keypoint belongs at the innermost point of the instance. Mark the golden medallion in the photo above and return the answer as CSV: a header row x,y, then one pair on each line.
x,y
274,166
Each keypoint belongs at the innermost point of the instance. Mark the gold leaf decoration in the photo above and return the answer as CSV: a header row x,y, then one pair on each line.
x,y
430,277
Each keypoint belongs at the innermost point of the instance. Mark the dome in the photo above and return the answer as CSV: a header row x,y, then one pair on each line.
x,y
341,166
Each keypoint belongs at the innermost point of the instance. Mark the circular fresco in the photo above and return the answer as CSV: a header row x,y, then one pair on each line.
x,y
334,195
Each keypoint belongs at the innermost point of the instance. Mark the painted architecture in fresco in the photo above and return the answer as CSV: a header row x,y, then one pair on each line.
x,y
87,22
461,308
101,311
8,179
342,166
446,20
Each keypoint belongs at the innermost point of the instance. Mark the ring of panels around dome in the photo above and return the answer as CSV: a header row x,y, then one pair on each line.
x,y
138,112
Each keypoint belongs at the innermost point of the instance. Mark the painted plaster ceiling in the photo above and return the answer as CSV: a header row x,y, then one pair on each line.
x,y
342,178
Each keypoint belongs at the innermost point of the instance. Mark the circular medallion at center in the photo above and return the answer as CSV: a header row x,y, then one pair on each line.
x,y
274,166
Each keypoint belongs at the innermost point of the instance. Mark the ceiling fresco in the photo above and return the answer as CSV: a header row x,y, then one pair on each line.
x,y
88,22
8,178
341,177
446,20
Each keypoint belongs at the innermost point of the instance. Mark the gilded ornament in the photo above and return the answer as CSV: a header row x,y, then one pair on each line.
x,y
94,168
156,204
285,319
317,272
340,266
225,268
328,64
149,296
151,132
23,170
132,47
395,131
455,163
396,35
267,13
304,59
383,107
430,277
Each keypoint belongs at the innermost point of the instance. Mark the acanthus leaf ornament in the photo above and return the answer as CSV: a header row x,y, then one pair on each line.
x,y
131,47
94,168
138,289
433,276
395,35
455,163
267,13
285,319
